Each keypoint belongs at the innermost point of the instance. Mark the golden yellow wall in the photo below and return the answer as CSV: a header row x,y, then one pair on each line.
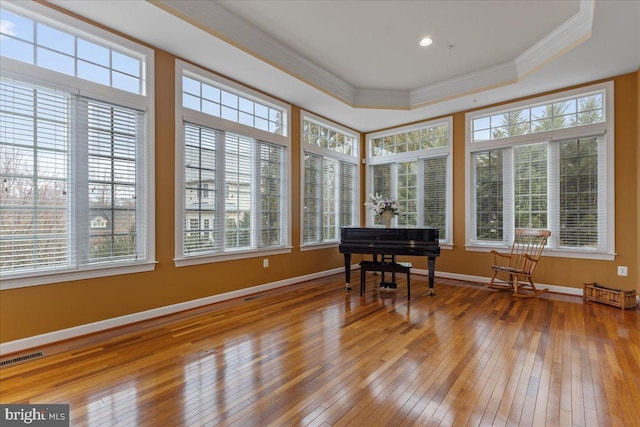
x,y
37,310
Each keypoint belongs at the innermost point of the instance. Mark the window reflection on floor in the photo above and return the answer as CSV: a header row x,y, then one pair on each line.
x,y
114,406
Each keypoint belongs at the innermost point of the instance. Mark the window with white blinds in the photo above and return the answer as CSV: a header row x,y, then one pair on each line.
x,y
246,213
434,194
412,165
35,214
73,164
330,188
233,193
560,179
70,175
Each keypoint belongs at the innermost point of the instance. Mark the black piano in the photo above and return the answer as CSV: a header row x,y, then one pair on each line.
x,y
390,241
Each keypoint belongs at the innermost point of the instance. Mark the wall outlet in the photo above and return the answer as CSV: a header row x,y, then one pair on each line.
x,y
622,270
265,263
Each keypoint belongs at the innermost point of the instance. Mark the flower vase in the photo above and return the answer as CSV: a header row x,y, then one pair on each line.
x,y
387,216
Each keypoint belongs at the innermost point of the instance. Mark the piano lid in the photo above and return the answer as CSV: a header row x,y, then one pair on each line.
x,y
361,234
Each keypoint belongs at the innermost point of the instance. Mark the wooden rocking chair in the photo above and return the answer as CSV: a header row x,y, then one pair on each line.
x,y
520,263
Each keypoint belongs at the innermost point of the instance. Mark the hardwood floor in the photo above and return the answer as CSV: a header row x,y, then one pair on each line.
x,y
311,354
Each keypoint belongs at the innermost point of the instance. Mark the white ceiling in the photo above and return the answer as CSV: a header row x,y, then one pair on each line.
x,y
359,63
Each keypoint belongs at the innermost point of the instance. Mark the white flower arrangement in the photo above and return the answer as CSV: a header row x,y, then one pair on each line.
x,y
379,204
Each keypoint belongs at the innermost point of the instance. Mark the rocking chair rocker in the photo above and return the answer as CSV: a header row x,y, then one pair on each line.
x,y
520,263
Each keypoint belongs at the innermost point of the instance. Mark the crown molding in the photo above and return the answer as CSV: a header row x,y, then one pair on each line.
x,y
568,35
476,81
219,22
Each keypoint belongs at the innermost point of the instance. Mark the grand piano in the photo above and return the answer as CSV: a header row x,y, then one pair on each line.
x,y
390,241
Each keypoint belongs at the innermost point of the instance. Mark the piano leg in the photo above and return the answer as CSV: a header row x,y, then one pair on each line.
x,y
347,271
432,270
384,284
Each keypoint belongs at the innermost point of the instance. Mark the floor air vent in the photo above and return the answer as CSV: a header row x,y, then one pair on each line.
x,y
21,358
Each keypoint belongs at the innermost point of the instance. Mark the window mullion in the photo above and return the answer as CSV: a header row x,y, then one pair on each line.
x,y
255,207
508,196
605,195
319,197
79,181
420,192
553,193
220,208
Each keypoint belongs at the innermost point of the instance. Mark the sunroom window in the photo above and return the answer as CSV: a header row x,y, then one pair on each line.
x,y
233,161
546,163
77,182
413,165
330,192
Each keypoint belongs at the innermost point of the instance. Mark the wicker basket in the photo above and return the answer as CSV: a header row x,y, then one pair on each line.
x,y
611,296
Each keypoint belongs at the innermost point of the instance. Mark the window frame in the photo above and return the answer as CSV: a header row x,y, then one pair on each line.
x,y
43,77
418,155
197,118
604,129
325,153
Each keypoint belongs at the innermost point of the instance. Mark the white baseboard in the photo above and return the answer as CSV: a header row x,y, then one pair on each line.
x,y
90,328
481,279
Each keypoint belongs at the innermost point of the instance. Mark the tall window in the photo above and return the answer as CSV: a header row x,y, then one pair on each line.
x,y
233,163
330,191
545,163
74,146
412,165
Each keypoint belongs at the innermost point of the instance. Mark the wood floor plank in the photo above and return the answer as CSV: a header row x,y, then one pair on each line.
x,y
312,354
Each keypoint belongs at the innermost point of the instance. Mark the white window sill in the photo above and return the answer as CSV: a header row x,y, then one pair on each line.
x,y
49,277
316,246
550,252
230,256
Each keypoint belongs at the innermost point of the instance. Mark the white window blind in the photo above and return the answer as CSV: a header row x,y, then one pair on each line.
x,y
382,175
35,222
423,202
530,186
330,180
234,191
200,206
348,194
312,198
434,195
272,190
239,191
113,145
489,195
579,195
328,198
70,171
407,193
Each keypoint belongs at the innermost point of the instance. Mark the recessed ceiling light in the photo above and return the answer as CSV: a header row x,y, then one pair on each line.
x,y
426,41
